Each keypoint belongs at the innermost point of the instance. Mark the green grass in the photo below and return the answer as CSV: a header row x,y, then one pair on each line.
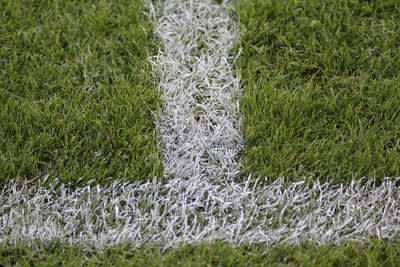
x,y
321,94
321,90
217,254
75,82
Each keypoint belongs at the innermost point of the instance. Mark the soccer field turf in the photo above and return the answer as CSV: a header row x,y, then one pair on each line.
x,y
321,89
76,92
319,100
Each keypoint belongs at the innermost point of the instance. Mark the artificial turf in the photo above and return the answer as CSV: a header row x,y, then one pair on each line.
x,y
321,89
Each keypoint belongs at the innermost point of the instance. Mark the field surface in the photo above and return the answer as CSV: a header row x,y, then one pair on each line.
x,y
320,94
321,89
76,91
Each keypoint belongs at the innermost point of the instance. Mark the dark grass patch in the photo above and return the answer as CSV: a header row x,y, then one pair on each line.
x,y
76,91
320,89
217,254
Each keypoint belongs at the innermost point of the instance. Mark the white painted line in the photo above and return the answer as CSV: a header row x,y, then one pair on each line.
x,y
199,125
200,202
182,211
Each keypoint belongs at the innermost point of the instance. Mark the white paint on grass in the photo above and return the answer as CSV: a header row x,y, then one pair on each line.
x,y
181,211
199,126
199,122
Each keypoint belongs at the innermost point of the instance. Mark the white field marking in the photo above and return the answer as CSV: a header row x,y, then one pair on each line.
x,y
199,122
184,212
200,202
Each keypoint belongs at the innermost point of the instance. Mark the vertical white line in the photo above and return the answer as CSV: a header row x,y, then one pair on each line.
x,y
199,124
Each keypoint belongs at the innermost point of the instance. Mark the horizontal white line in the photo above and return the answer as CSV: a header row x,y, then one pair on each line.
x,y
182,211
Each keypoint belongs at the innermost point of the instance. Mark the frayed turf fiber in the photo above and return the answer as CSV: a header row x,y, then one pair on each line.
x,y
200,201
